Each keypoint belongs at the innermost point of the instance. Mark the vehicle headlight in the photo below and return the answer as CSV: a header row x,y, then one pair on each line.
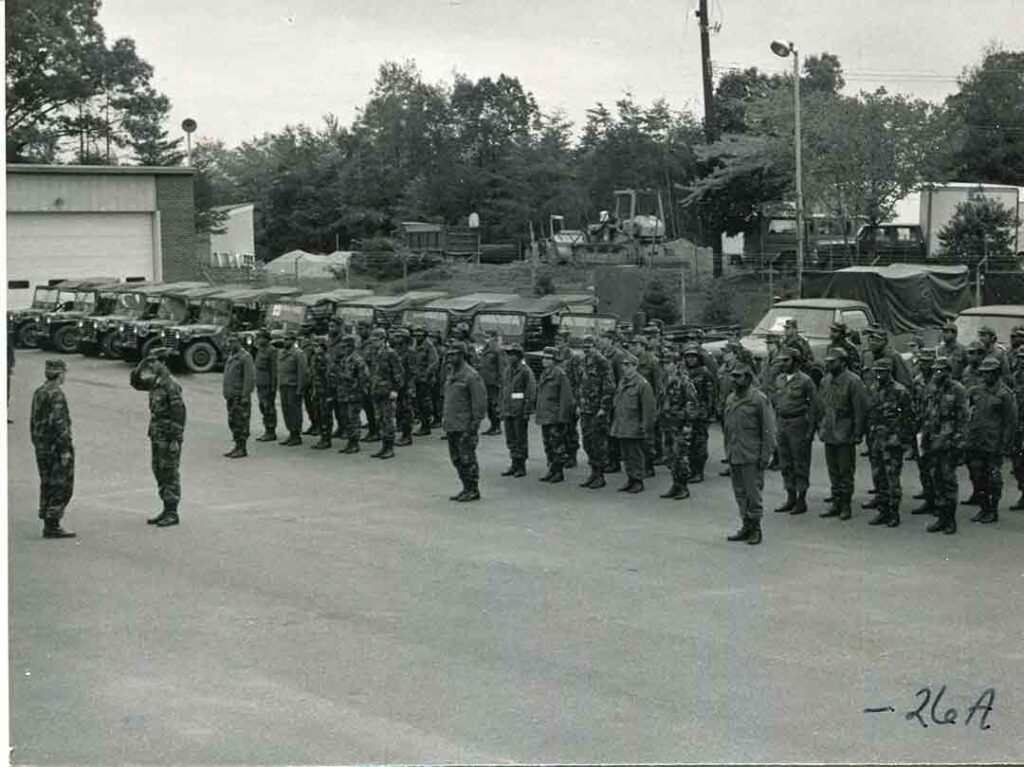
x,y
177,334
81,324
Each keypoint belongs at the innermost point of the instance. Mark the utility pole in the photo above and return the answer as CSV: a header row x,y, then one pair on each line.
x,y
709,117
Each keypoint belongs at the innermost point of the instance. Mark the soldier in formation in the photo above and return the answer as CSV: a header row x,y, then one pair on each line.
x,y
518,396
350,379
50,427
265,373
492,369
634,413
291,384
465,405
749,429
843,410
889,428
594,396
797,408
555,403
238,383
425,365
387,379
678,408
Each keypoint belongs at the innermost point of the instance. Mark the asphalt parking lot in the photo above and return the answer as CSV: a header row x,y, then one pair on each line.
x,y
321,608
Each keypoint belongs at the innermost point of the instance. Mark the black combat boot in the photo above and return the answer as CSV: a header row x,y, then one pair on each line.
x,y
472,493
292,441
928,507
570,462
352,446
511,470
801,503
990,513
881,518
233,452
547,476
372,435
950,528
557,474
983,502
424,430
597,483
613,468
755,536
520,469
589,479
636,486
324,443
697,476
833,510
845,510
240,450
941,520
790,503
742,534
671,492
52,529
269,435
894,516
168,518
405,440
872,504
387,450
458,496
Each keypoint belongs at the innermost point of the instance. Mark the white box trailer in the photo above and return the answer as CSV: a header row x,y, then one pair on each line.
x,y
939,202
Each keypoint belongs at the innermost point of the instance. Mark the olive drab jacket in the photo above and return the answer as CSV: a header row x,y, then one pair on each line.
x,y
518,391
843,409
425,362
635,409
748,425
795,395
291,368
555,400
465,400
265,366
492,365
992,419
239,374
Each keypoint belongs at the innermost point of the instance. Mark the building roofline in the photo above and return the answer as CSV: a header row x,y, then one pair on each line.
x,y
92,170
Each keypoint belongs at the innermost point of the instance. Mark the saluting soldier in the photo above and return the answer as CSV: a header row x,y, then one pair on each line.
x,y
492,368
50,427
943,430
703,380
465,405
166,430
991,433
843,409
890,427
350,379
265,366
425,364
555,404
595,396
291,383
749,429
239,381
797,410
518,398
679,404
386,380
634,414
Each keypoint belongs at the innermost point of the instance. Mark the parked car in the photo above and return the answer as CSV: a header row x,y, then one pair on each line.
x,y
61,330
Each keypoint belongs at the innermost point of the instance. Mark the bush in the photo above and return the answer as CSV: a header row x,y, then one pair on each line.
x,y
659,304
718,304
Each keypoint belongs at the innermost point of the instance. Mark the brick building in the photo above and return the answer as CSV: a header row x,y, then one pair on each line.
x,y
67,221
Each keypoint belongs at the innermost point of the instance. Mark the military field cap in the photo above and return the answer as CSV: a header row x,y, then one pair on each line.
x,y
771,335
363,323
378,333
419,330
877,331
943,362
790,353
1018,330
741,370
588,340
837,353
462,327
629,359
882,364
986,330
989,363
549,352
692,348
334,321
401,333
492,333
263,333
56,366
733,344
513,349
975,346
290,335
790,322
348,340
926,355
839,326
456,347
697,332
652,329
564,334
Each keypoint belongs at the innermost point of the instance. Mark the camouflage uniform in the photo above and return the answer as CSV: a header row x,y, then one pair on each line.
x,y
310,395
386,377
349,379
492,370
425,363
991,432
166,433
465,405
704,383
942,442
889,428
238,383
679,403
573,367
265,365
55,451
1018,456
595,395
796,341
555,405
922,392
319,373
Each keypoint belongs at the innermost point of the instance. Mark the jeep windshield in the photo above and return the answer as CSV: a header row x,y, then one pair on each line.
x,y
172,308
967,326
285,316
85,301
811,322
435,321
214,311
579,326
45,298
131,305
353,314
506,325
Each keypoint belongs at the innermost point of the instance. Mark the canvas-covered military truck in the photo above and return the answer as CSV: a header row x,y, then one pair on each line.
x,y
23,324
176,306
58,330
532,323
442,315
98,332
199,344
384,311
292,313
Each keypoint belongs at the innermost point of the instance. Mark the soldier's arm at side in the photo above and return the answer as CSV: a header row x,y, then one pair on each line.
x,y
530,404
478,396
768,432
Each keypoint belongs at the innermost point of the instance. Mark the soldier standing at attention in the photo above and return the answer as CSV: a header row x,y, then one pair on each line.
x,y
920,396
350,379
678,406
320,372
634,414
792,339
839,337
595,396
991,432
425,363
492,369
572,365
797,409
890,426
704,383
555,404
386,380
1018,390
401,340
942,442
518,397
614,354
364,345
239,381
843,408
465,405
166,430
265,366
50,426
650,370
335,337
310,396
952,350
749,428
291,382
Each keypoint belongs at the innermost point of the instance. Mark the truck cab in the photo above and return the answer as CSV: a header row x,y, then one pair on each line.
x,y
177,305
60,330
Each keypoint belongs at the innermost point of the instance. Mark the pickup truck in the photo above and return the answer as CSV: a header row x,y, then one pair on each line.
x,y
1002,318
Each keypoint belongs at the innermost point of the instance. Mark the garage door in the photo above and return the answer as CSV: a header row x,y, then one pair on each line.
x,y
50,246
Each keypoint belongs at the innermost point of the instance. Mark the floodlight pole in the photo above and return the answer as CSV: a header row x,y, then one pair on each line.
x,y
799,178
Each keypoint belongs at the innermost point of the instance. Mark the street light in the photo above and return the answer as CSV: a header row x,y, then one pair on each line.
x,y
783,49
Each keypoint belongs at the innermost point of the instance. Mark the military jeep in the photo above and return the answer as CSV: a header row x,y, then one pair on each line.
x,y
24,325
176,306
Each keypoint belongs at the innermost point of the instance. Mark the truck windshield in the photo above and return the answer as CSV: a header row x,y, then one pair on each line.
x,y
810,321
285,316
65,299
353,314
45,298
214,311
131,304
432,320
85,301
967,326
172,308
582,326
506,325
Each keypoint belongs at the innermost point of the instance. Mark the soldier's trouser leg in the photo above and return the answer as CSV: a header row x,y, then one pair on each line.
x,y
166,472
595,440
847,464
291,409
516,438
553,435
372,420
795,453
747,484
572,434
1018,468
976,471
403,414
650,451
325,417
894,473
614,450
493,401
633,457
239,417
831,463
879,478
462,452
350,423
437,393
992,472
925,473
268,410
384,407
56,483
698,446
425,403
312,408
678,455
943,479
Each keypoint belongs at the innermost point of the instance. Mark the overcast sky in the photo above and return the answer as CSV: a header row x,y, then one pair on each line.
x,y
244,67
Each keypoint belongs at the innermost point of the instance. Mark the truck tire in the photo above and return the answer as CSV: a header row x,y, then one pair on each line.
x,y
65,339
201,357
109,348
148,346
25,336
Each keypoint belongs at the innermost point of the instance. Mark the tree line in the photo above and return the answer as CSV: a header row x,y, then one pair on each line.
x,y
435,152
